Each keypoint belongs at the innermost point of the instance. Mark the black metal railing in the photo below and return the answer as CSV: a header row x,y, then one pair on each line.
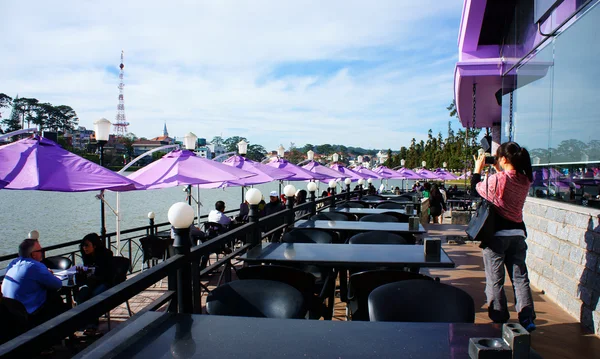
x,y
187,292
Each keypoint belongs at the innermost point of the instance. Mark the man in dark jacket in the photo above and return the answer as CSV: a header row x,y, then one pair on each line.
x,y
274,206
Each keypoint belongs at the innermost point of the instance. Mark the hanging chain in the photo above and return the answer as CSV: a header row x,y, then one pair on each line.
x,y
510,119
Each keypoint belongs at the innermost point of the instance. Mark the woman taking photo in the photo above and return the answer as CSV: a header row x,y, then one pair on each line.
x,y
507,190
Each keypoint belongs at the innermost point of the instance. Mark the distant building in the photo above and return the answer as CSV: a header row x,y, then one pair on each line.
x,y
204,152
79,138
216,150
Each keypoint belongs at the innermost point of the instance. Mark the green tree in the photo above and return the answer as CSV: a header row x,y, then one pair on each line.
x,y
217,140
128,141
256,152
13,122
231,143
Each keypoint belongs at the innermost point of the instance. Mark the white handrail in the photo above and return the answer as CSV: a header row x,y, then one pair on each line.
x,y
144,155
19,132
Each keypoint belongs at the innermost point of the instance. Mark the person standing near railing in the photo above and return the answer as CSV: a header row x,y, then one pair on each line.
x,y
507,190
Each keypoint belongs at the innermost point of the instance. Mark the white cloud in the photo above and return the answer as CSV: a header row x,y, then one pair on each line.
x,y
207,66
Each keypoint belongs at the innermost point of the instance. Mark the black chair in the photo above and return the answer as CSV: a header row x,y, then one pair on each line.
x,y
57,262
121,267
330,216
378,218
421,301
373,197
354,204
154,249
301,235
12,311
303,281
391,205
213,229
401,217
377,237
256,298
362,284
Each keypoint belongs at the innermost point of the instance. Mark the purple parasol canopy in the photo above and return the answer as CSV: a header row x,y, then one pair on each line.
x,y
183,167
263,173
409,174
328,173
465,175
3,184
37,163
300,174
354,176
444,175
427,174
366,172
387,173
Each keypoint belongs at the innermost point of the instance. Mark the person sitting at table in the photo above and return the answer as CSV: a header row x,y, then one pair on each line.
x,y
95,255
242,216
30,282
371,189
301,199
397,190
274,206
217,215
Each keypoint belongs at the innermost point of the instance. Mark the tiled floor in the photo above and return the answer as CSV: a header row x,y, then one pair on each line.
x,y
558,335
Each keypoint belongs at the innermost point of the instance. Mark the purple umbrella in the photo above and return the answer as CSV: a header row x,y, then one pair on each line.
x,y
366,172
409,174
3,184
387,173
316,167
465,175
444,175
300,174
263,173
427,174
185,168
354,176
39,164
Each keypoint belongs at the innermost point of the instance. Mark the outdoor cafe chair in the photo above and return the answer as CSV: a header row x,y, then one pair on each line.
x,y
401,217
301,235
57,262
390,205
354,204
373,197
305,282
256,298
378,218
153,250
421,301
330,216
121,267
377,237
361,284
12,311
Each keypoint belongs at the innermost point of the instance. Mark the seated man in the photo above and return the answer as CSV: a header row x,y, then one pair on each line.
x,y
217,215
31,283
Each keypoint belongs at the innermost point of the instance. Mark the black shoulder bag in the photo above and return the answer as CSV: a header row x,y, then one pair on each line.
x,y
481,227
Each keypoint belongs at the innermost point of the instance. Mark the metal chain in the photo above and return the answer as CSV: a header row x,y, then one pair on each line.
x,y
510,119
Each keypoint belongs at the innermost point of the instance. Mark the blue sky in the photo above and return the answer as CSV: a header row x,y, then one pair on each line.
x,y
369,74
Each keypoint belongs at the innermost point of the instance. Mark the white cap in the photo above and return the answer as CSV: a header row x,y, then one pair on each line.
x,y
274,194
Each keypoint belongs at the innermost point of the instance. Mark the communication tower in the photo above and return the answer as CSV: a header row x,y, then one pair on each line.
x,y
121,122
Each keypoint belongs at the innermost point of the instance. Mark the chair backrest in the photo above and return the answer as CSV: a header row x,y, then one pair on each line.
x,y
256,298
363,283
300,235
213,229
57,262
354,204
297,278
421,301
378,218
390,205
373,197
12,311
377,237
329,216
121,266
153,247
401,217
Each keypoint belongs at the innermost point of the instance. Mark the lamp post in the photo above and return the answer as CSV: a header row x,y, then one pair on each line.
x,y
151,220
424,164
280,151
444,165
242,148
290,192
181,217
402,162
253,196
332,186
102,133
361,182
189,141
347,181
335,157
312,187
310,154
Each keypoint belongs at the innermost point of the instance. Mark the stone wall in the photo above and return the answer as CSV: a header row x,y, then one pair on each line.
x,y
564,256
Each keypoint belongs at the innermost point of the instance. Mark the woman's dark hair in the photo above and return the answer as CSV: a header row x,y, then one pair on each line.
x,y
427,186
96,242
435,192
516,156
301,196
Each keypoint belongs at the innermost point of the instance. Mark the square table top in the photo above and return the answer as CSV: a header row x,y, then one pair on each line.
x,y
347,255
378,201
367,211
168,335
354,226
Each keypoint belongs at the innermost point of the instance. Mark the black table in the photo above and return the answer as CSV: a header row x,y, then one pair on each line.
x,y
353,226
167,335
347,255
367,211
378,201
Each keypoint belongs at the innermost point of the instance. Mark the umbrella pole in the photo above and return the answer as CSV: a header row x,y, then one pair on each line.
x,y
242,194
280,182
198,202
102,221
118,227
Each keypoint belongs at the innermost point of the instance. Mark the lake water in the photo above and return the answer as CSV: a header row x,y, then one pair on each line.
x,y
63,217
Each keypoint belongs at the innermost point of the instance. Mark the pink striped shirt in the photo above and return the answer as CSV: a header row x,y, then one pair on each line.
x,y
507,190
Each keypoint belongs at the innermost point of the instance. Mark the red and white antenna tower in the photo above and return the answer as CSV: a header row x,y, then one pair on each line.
x,y
121,122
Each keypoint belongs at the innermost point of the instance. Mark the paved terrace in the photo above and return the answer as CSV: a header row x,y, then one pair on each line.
x,y
558,334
